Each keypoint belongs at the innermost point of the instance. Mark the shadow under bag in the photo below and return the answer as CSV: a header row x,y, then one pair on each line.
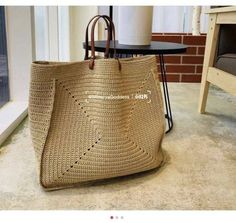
x,y
95,119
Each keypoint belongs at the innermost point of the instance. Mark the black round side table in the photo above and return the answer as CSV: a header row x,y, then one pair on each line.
x,y
155,48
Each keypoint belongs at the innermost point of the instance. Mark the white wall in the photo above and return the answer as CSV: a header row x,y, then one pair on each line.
x,y
79,18
41,32
51,32
60,31
104,10
177,19
167,18
64,33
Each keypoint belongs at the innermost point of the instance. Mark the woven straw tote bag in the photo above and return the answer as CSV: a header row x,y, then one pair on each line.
x,y
95,119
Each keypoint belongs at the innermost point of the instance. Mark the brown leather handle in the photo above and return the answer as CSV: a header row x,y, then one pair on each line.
x,y
86,57
92,36
112,29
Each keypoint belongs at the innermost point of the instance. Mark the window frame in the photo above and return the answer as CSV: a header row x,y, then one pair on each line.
x,y
21,52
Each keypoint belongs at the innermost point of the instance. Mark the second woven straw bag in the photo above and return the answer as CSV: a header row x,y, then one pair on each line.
x,y
95,119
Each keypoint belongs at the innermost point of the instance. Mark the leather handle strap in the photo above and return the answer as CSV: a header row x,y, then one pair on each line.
x,y
113,32
92,36
97,17
112,29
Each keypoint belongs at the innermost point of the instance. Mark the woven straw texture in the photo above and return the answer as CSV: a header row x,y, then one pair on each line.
x,y
79,134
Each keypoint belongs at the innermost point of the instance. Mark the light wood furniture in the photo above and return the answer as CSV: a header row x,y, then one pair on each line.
x,y
210,74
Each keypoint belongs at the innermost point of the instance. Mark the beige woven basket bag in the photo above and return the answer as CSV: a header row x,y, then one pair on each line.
x,y
95,119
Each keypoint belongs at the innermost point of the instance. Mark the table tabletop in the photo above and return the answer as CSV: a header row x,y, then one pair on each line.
x,y
156,47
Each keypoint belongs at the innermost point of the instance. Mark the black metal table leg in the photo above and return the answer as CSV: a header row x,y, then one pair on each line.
x,y
168,114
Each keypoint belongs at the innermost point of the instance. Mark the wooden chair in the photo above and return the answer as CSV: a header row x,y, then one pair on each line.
x,y
213,73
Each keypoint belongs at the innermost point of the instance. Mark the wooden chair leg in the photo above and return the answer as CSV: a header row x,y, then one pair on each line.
x,y
211,43
203,95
